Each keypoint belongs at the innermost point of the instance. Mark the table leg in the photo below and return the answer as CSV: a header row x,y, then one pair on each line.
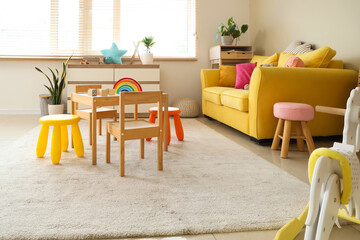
x,y
93,132
166,123
42,141
56,145
64,138
78,142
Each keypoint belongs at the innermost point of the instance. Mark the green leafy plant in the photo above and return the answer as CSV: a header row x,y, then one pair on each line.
x,y
148,42
57,84
231,29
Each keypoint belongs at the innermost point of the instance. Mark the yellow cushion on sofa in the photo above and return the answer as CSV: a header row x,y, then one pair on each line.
x,y
236,98
319,58
227,76
212,94
258,59
272,59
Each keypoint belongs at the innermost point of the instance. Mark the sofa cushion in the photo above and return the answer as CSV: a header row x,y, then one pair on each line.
x,y
227,76
212,94
236,98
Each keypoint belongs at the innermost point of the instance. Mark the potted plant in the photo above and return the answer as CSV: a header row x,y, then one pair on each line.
x,y
230,32
56,87
147,57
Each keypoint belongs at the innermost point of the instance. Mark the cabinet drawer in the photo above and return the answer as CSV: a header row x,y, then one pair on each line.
x,y
90,74
236,55
139,75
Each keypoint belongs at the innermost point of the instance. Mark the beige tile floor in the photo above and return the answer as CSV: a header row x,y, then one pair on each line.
x,y
14,126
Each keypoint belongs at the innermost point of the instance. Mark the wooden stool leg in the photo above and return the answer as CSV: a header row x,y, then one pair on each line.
x,y
90,131
99,130
286,139
122,156
308,137
77,139
107,144
278,132
64,138
56,145
42,141
152,118
299,141
142,147
178,127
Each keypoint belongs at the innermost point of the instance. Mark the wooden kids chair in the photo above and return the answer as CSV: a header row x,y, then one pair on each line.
x,y
136,129
100,112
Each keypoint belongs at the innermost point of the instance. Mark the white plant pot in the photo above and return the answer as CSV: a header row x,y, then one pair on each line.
x,y
226,40
147,58
56,109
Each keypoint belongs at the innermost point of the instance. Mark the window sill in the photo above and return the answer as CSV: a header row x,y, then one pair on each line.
x,y
127,58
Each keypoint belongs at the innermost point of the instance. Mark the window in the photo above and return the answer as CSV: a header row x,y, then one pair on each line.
x,y
84,27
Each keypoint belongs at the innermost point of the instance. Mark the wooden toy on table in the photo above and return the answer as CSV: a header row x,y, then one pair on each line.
x,y
327,169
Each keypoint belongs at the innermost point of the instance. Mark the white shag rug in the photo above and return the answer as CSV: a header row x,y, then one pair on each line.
x,y
209,184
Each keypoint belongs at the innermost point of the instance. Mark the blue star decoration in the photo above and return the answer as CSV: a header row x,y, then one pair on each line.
x,y
114,53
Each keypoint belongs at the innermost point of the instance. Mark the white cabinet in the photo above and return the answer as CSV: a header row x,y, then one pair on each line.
x,y
108,74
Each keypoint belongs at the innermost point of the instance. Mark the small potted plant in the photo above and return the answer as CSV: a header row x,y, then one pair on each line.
x,y
230,32
56,87
147,57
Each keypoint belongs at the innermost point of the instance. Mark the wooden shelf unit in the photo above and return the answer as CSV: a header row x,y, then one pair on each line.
x,y
229,55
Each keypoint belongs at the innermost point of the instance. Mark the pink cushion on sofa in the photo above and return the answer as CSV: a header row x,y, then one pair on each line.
x,y
243,74
293,111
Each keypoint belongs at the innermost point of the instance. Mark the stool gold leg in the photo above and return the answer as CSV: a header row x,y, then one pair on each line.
x,y
278,132
56,145
309,140
286,139
64,138
178,128
42,141
78,142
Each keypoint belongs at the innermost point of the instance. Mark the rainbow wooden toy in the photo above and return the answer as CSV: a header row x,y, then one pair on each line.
x,y
127,85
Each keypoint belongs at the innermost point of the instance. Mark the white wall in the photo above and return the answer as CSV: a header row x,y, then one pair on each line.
x,y
21,84
336,23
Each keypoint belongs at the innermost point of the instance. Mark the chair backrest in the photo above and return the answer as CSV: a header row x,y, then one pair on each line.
x,y
85,88
135,98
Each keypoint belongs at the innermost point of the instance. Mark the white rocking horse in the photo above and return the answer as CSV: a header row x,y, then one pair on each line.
x,y
334,175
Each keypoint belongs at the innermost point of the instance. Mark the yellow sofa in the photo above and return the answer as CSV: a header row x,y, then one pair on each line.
x,y
251,111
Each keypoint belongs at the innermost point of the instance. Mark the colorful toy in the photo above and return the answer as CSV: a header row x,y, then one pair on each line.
x,y
329,199
92,92
113,54
104,92
127,85
111,91
294,62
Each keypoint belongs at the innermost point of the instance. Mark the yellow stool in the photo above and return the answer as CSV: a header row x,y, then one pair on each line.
x,y
59,141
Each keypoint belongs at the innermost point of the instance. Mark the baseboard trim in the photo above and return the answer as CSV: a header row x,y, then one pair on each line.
x,y
19,111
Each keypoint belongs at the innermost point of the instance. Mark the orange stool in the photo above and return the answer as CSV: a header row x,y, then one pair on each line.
x,y
173,111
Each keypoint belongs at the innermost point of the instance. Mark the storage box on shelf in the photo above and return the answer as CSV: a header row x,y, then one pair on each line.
x,y
108,74
229,55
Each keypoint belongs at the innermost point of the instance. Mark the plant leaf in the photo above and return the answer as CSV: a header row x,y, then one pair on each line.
x,y
244,28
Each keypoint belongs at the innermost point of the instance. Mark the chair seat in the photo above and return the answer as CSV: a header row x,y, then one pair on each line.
x,y
293,111
134,124
59,119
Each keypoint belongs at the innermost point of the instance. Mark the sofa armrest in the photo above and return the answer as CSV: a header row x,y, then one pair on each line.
x,y
314,86
210,78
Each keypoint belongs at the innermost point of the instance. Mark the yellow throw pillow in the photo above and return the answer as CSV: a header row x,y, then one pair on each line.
x,y
227,76
258,59
272,59
319,58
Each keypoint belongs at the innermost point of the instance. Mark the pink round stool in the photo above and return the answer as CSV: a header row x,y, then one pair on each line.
x,y
300,114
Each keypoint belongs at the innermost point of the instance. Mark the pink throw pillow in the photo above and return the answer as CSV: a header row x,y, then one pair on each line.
x,y
294,62
243,74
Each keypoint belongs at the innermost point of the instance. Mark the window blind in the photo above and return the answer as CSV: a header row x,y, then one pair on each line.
x,y
84,27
